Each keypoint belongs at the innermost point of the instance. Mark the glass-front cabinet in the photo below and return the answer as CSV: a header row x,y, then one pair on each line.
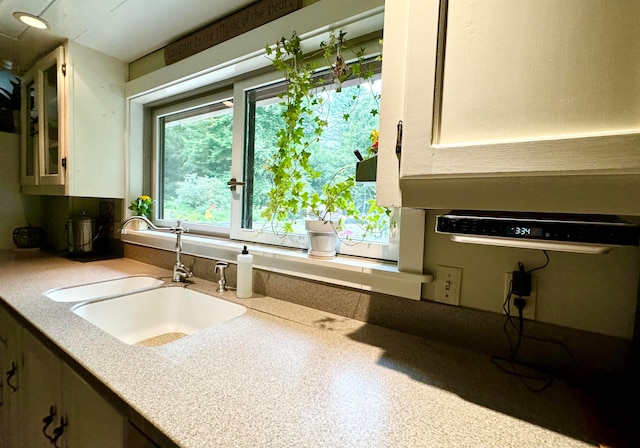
x,y
31,132
43,114
73,117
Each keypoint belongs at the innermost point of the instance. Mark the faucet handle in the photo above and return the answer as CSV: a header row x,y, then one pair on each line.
x,y
178,229
221,266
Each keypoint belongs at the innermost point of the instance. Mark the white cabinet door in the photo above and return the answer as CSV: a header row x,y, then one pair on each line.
x,y
10,384
522,105
42,394
78,416
92,421
95,123
392,100
538,70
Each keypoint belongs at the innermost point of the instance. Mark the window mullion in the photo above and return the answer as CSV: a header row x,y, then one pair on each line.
x,y
249,165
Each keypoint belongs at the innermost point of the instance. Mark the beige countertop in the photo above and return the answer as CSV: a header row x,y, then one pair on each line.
x,y
283,375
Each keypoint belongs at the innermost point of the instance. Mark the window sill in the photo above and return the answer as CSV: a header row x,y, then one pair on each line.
x,y
354,272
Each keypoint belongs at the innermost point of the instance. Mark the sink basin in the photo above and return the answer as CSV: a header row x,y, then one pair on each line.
x,y
107,288
158,316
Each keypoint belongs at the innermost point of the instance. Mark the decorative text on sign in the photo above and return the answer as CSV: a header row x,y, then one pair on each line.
x,y
231,26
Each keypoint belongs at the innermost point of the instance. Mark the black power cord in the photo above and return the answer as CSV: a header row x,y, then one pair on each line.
x,y
533,377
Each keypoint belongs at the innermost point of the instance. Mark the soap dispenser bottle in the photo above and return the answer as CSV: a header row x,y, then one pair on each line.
x,y
245,274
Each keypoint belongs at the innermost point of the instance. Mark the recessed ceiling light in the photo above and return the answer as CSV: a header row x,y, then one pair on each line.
x,y
31,20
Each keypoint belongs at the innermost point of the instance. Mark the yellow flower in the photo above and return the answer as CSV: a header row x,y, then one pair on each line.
x,y
141,206
373,149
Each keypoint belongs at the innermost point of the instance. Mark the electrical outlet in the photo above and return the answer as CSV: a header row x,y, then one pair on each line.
x,y
106,211
529,311
448,284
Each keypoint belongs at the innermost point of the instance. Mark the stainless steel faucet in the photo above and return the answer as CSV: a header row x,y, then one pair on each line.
x,y
180,271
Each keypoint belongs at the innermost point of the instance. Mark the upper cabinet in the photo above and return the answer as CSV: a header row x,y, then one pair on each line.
x,y
43,103
73,119
528,105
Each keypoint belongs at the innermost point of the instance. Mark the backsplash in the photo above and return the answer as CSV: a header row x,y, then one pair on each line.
x,y
56,210
583,357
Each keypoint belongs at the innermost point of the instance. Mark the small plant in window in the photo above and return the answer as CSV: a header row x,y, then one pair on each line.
x,y
295,192
141,206
373,149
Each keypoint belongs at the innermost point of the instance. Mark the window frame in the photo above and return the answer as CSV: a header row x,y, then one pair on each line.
x,y
156,165
236,93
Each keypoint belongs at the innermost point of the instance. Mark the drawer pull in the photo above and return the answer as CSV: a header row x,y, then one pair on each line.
x,y
57,432
10,374
48,420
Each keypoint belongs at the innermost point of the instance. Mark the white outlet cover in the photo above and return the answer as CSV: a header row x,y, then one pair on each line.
x,y
448,285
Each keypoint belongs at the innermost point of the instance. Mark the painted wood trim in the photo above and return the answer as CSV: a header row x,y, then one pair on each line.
x,y
599,154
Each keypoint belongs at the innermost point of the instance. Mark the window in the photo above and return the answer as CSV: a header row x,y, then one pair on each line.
x,y
194,164
204,142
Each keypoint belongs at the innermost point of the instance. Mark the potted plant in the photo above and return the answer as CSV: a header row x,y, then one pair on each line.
x,y
291,196
141,206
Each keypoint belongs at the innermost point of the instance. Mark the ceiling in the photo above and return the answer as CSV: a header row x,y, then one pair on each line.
x,y
125,29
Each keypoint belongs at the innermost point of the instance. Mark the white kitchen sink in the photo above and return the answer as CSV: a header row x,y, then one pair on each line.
x,y
158,316
103,289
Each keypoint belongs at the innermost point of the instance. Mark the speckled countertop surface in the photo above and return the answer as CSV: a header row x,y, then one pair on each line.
x,y
283,375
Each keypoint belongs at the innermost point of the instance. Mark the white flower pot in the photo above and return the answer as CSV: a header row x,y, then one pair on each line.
x,y
138,224
323,239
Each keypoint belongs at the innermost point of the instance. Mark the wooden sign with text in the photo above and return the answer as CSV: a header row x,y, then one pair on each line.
x,y
237,23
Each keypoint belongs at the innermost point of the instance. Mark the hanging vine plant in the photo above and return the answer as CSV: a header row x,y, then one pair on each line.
x,y
291,196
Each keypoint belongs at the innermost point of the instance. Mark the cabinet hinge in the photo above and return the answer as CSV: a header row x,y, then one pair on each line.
x,y
64,69
399,140
64,162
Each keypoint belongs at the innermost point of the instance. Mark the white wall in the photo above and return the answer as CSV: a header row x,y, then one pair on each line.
x,y
14,207
595,293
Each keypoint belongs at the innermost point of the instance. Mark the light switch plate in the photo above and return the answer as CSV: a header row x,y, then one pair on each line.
x,y
448,285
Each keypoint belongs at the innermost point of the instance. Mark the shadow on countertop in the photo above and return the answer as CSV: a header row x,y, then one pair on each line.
x,y
602,413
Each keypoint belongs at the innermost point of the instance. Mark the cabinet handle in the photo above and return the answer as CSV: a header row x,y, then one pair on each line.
x,y
1,392
399,139
10,374
48,420
57,432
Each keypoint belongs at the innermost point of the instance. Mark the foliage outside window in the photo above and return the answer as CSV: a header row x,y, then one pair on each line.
x,y
195,165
